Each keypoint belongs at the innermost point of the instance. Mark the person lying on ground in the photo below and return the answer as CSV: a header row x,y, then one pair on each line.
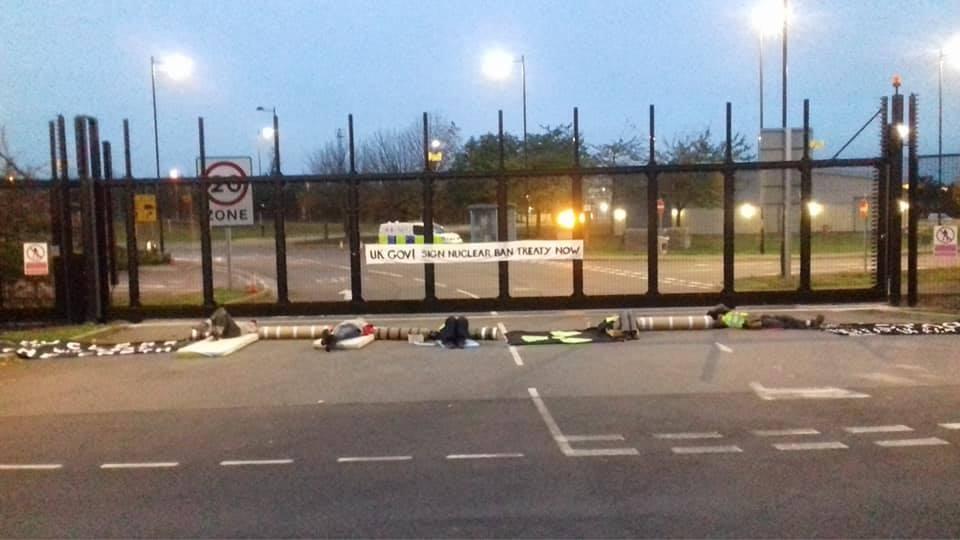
x,y
731,318
348,329
221,325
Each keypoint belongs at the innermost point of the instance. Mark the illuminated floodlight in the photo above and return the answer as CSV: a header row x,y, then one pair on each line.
x,y
498,64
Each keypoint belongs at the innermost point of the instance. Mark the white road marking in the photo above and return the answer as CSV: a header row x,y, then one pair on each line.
x,y
929,441
364,459
30,467
784,432
319,401
514,353
706,449
388,274
878,429
493,313
720,346
689,435
582,438
952,425
831,445
243,462
597,452
467,293
824,392
144,465
564,442
486,456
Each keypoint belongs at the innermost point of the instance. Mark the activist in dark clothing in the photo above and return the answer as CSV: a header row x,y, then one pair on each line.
x,y
741,319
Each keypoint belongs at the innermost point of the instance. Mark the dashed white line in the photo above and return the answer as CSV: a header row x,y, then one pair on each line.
x,y
706,449
784,432
467,293
929,441
585,438
365,459
830,445
30,467
514,353
244,462
596,452
878,429
721,346
144,465
951,425
690,435
388,274
504,455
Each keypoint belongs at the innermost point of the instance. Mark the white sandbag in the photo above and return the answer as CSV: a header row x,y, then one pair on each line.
x,y
212,348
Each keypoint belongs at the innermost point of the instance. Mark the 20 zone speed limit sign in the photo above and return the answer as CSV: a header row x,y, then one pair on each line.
x,y
231,201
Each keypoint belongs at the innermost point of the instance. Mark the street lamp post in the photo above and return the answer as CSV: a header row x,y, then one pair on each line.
x,y
497,65
771,18
275,169
177,67
950,50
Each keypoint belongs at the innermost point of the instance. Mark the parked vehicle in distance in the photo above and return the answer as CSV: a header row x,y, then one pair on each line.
x,y
411,232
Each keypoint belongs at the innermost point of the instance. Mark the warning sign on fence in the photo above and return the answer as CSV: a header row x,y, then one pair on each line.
x,y
36,261
520,250
945,240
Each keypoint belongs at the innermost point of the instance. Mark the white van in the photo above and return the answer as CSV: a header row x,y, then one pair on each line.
x,y
411,232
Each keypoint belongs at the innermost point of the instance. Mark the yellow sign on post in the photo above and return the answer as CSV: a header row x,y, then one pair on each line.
x,y
146,208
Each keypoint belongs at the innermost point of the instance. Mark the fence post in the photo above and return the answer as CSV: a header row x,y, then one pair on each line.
x,y
913,213
279,218
66,223
577,196
87,222
133,256
883,180
108,199
100,220
729,202
653,216
502,213
806,191
203,201
56,228
895,193
353,201
429,274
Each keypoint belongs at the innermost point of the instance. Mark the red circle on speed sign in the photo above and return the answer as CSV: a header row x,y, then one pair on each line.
x,y
661,206
864,208
226,193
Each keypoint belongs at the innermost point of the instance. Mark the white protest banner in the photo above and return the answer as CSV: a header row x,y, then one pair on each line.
x,y
519,250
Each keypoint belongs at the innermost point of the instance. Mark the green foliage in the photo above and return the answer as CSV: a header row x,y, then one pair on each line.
x,y
697,189
26,215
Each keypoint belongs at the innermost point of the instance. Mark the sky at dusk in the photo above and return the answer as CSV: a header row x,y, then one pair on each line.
x,y
388,61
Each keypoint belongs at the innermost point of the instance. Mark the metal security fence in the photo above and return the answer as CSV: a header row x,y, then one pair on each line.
x,y
654,234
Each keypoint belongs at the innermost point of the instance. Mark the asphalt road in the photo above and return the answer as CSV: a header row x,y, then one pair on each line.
x,y
323,274
680,434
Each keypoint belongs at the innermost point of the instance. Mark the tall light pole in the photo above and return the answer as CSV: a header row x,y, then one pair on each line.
x,y
275,169
177,67
768,19
497,65
950,50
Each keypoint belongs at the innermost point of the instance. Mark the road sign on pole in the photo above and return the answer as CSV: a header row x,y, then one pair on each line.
x,y
145,206
231,201
35,259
